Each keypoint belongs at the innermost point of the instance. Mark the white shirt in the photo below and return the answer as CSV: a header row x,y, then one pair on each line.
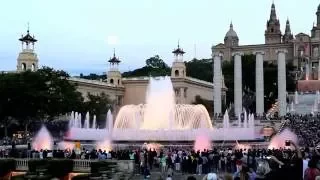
x,y
305,165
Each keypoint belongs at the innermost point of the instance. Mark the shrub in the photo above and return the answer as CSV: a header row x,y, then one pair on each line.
x,y
60,167
101,166
35,164
81,177
6,165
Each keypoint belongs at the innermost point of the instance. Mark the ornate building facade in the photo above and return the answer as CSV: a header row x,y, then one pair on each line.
x,y
303,49
126,91
279,48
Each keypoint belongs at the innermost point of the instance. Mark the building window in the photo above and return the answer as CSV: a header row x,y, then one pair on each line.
x,y
33,67
23,66
118,81
272,30
176,73
111,81
185,92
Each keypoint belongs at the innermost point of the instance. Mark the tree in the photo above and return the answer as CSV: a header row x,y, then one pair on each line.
x,y
155,66
98,105
33,96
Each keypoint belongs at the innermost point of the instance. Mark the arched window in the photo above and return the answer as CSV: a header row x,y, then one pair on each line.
x,y
33,67
118,81
111,81
23,66
272,30
176,73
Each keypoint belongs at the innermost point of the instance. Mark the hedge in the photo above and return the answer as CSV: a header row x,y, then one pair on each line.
x,y
35,164
60,167
98,166
56,167
7,165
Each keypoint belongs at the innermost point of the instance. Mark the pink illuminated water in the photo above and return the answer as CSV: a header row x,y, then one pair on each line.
x,y
160,102
202,142
43,140
105,145
279,140
66,145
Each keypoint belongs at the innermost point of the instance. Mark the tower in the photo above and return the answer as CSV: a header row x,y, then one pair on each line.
x,y
273,33
318,16
178,69
231,38
315,32
27,59
287,37
114,75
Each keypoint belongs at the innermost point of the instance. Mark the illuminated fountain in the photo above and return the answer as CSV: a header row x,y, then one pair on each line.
x,y
279,140
160,119
43,140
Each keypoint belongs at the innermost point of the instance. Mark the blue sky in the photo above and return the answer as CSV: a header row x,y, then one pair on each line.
x,y
79,35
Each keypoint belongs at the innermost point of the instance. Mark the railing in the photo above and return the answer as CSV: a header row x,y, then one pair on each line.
x,y
79,165
22,164
82,165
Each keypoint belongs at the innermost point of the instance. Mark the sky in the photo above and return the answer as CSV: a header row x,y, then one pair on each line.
x,y
80,35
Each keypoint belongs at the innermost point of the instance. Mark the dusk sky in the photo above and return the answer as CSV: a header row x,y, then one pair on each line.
x,y
79,35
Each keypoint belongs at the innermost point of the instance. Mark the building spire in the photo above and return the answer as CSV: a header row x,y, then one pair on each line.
x,y
273,14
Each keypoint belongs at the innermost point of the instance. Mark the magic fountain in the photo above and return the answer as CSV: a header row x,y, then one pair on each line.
x,y
161,119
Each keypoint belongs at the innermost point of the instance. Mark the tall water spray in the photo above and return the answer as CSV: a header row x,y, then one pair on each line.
x,y
94,122
43,140
245,123
165,115
109,121
87,121
226,120
160,101
296,97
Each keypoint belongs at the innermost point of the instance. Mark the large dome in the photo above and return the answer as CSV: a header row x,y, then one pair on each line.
x,y
231,33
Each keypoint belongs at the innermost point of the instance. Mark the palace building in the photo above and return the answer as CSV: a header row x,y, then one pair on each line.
x,y
126,91
302,50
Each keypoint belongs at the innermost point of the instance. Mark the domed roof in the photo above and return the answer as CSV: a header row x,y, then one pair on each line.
x,y
319,7
231,32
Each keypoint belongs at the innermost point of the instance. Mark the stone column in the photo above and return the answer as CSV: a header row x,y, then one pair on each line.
x,y
181,95
217,80
281,54
259,82
319,69
237,82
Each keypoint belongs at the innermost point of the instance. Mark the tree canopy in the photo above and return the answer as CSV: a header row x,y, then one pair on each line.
x,y
155,66
40,95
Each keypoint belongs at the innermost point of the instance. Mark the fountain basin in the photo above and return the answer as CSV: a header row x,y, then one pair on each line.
x,y
215,134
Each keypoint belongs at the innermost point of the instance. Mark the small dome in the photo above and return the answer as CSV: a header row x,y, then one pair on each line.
x,y
319,7
231,32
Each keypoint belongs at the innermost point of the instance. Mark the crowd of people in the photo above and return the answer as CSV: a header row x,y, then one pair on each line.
x,y
243,164
306,127
300,162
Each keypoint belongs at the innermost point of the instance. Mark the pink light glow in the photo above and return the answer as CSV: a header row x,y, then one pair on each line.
x,y
42,140
152,146
105,145
66,145
202,142
278,141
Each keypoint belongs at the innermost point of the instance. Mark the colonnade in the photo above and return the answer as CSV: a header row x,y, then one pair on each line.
x,y
217,79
